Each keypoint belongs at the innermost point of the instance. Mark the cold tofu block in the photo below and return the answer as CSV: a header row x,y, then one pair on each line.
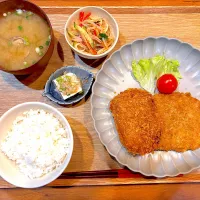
x,y
68,85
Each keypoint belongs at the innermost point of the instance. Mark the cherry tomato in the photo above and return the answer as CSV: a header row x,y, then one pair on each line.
x,y
167,84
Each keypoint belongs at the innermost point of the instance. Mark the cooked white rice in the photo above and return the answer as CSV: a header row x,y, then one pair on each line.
x,y
37,142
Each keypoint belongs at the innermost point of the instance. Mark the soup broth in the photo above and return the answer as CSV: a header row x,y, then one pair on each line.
x,y
24,39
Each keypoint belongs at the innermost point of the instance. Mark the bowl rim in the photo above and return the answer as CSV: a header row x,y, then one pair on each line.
x,y
51,33
68,157
85,54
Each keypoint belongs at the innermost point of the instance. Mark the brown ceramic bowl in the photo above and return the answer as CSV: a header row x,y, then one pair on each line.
x,y
8,5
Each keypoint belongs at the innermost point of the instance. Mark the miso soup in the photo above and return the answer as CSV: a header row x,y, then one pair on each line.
x,y
24,39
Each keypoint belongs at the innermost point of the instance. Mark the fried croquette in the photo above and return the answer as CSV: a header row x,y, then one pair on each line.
x,y
146,123
180,116
136,121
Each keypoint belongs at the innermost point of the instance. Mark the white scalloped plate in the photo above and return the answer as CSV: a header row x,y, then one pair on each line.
x,y
115,76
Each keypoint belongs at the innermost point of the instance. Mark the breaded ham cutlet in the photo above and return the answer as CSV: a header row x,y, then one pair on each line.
x,y
136,121
180,116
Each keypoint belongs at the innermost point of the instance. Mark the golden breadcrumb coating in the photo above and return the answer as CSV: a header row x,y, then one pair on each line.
x,y
136,121
180,116
147,123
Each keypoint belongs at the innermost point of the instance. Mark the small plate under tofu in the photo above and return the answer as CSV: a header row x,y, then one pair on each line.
x,y
84,76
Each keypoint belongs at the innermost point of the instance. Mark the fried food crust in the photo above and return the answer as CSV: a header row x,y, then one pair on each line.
x,y
136,121
180,116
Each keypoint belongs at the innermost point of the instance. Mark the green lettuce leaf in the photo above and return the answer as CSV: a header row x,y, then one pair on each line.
x,y
147,71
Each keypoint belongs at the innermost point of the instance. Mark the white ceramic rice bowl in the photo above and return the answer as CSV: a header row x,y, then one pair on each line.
x,y
8,170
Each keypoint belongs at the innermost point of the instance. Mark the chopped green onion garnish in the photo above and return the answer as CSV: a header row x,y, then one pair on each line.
x,y
59,80
47,43
40,53
25,63
9,43
63,89
20,28
29,13
9,13
33,62
49,37
41,47
26,41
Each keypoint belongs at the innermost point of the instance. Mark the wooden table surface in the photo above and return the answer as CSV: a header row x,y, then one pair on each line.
x,y
118,3
89,154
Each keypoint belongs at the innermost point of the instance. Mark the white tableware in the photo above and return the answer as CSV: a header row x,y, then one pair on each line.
x,y
8,169
116,76
98,12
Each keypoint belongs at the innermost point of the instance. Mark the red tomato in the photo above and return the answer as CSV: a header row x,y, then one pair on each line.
x,y
167,84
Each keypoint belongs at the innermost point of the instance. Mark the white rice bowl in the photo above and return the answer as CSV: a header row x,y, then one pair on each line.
x,y
34,164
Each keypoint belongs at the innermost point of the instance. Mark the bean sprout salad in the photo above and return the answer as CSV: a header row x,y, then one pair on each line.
x,y
90,34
